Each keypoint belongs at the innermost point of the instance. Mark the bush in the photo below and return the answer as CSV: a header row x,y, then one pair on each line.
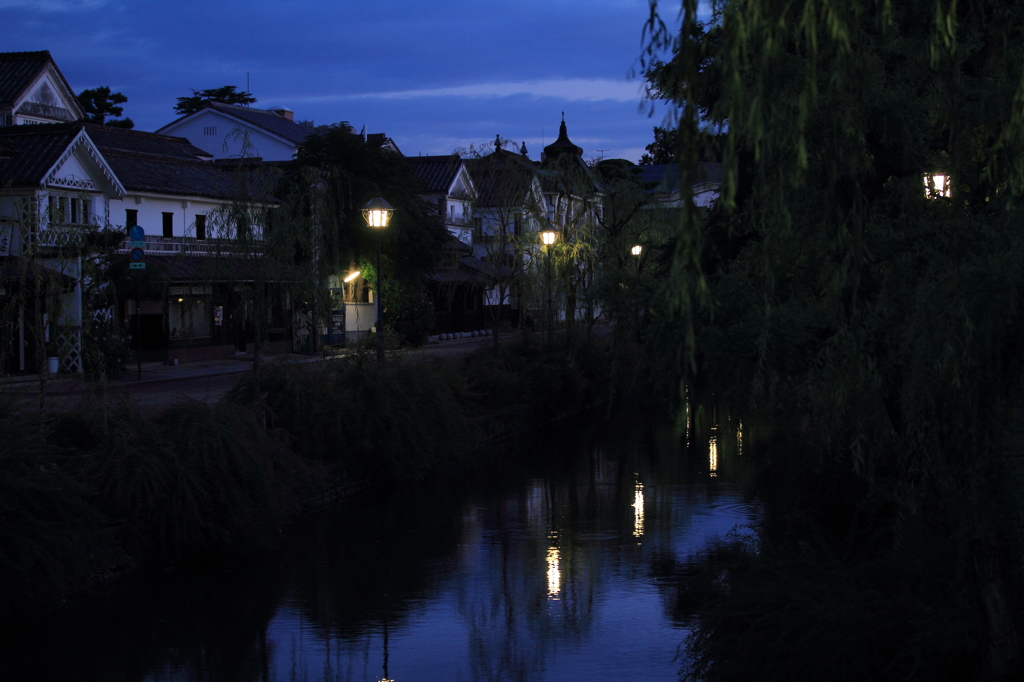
x,y
106,351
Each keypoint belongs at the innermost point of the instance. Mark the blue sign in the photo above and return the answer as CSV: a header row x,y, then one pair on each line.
x,y
136,233
136,255
136,266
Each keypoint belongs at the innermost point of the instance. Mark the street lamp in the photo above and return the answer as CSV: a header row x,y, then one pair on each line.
x,y
548,238
636,250
377,213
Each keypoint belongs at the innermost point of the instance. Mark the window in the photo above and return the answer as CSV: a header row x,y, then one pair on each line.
x,y
168,224
200,227
478,227
74,211
188,317
209,130
517,224
131,217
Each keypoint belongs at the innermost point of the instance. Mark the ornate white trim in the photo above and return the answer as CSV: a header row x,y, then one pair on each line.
x,y
82,140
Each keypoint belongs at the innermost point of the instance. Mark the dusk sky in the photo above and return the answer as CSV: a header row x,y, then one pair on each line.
x,y
432,74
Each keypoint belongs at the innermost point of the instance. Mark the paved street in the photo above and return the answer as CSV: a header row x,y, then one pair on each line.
x,y
163,385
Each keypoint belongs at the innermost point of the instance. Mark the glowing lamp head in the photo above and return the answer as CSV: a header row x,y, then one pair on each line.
x,y
377,213
636,250
351,276
548,237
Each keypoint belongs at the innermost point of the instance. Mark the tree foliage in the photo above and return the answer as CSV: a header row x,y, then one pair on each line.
x,y
347,171
883,322
99,104
225,94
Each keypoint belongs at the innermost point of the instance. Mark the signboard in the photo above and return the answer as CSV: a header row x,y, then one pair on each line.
x,y
137,255
136,233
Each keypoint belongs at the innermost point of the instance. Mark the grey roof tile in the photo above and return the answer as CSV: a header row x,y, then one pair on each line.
x,y
437,173
17,70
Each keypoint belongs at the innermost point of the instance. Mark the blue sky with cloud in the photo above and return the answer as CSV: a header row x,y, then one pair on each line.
x,y
432,74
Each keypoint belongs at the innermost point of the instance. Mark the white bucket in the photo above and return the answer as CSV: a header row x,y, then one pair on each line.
x,y
52,365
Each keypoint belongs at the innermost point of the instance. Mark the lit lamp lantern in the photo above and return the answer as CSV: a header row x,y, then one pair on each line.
x,y
548,237
636,250
377,213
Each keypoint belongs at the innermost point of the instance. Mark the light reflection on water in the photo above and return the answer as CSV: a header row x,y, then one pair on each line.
x,y
565,568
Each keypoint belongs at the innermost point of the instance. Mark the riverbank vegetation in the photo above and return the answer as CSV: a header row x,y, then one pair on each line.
x,y
92,493
858,287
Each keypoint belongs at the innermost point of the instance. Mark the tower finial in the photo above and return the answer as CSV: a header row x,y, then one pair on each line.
x,y
497,143
563,117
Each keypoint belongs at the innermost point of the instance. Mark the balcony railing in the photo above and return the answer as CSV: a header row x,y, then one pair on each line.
x,y
190,246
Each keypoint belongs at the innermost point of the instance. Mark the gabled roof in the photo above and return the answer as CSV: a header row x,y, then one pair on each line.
x,y
139,161
437,173
18,70
112,138
502,179
262,119
33,151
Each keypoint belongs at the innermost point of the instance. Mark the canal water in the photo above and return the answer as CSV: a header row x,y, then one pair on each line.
x,y
563,562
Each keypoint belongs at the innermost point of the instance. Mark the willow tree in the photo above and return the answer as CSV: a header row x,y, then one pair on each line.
x,y
861,276
508,207
349,171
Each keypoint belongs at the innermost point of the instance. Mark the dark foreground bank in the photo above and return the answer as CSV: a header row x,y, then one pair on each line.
x,y
91,494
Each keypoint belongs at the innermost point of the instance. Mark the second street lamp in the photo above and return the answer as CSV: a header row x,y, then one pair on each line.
x,y
377,213
548,238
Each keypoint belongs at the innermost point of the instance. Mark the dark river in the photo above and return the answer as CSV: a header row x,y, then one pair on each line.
x,y
562,563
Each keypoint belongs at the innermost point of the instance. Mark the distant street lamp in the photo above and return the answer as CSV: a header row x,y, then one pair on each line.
x,y
548,238
636,250
377,213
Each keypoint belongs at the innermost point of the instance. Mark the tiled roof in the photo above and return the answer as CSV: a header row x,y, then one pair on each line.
x,y
33,151
437,173
143,162
165,175
17,70
501,179
267,120
121,139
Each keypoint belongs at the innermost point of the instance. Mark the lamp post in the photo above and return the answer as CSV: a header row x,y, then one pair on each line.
x,y
548,238
377,213
636,251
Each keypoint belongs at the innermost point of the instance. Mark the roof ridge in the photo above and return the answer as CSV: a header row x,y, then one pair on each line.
x,y
31,54
153,156
132,132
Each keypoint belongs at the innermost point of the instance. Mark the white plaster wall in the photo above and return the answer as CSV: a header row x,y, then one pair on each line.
x,y
151,212
225,143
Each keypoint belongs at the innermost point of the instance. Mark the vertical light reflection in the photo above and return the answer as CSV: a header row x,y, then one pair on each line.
x,y
739,438
554,573
713,456
638,510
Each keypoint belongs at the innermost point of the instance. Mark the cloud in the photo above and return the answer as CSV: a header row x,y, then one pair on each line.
x,y
54,5
573,89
